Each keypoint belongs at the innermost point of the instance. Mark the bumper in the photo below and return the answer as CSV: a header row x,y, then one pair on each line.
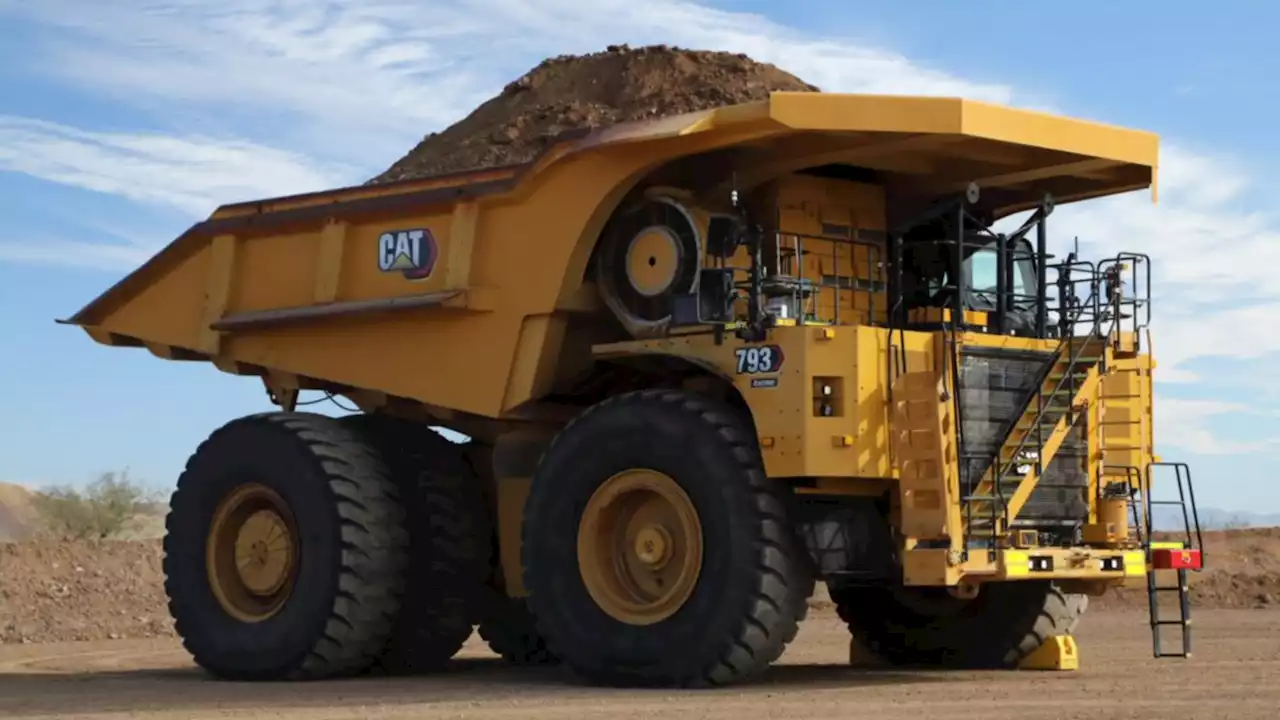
x,y
938,567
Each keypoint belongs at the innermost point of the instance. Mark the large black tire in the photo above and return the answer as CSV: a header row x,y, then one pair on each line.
x,y
750,591
449,541
926,627
347,580
510,632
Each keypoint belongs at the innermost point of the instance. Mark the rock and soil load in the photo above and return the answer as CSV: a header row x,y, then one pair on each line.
x,y
577,92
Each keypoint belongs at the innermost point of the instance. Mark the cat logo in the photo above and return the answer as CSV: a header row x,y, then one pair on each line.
x,y
411,253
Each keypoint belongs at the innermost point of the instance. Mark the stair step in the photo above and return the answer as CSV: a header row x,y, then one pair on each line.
x,y
1007,459
1015,482
1007,466
1056,377
1046,419
1048,414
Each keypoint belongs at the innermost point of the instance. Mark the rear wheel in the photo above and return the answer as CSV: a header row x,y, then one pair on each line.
x,y
1005,623
285,550
656,551
449,541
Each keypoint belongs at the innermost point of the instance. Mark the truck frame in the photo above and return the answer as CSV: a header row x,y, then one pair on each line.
x,y
702,363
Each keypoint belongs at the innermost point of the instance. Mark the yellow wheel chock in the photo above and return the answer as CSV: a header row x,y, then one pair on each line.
x,y
1059,652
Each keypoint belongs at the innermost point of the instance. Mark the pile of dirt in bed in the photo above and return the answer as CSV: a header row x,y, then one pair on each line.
x,y
575,92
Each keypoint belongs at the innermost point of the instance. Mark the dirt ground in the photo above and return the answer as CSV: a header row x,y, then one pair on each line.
x,y
1232,674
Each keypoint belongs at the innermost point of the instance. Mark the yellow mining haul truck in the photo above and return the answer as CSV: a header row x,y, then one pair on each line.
x,y
703,362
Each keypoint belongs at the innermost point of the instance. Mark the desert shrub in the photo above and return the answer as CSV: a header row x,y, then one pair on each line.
x,y
1234,522
105,508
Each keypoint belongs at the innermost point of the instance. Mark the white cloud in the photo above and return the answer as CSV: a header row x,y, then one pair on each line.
x,y
189,173
1214,287
76,254
1183,423
331,91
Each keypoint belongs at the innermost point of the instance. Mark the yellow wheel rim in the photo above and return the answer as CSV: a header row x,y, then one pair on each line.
x,y
251,553
640,547
653,259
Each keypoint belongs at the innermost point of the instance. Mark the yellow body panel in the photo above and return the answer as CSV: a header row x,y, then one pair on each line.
x,y
1127,428
796,440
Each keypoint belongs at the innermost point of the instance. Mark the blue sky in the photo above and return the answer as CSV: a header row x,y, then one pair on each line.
x,y
122,123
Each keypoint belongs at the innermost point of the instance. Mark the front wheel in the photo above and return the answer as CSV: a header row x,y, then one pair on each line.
x,y
656,551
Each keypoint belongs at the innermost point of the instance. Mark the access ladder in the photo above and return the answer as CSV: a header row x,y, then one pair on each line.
x,y
1177,556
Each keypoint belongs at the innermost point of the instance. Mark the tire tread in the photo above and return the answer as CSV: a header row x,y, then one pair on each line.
x,y
448,540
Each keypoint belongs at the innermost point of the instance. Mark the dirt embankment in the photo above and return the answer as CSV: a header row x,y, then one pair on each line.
x,y
576,92
52,591
58,590
1243,571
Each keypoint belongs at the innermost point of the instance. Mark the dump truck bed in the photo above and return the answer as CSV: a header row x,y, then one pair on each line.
x,y
467,293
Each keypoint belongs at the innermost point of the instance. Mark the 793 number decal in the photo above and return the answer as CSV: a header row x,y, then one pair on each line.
x,y
757,359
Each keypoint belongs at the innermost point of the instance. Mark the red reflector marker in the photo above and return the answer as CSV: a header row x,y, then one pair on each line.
x,y
1175,559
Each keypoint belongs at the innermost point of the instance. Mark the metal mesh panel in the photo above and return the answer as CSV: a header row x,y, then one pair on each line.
x,y
995,386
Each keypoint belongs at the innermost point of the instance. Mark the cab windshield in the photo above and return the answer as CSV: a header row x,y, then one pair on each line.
x,y
982,267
